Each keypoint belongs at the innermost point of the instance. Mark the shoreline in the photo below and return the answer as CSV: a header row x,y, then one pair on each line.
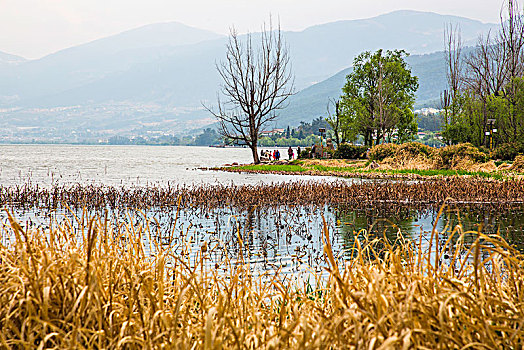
x,y
356,169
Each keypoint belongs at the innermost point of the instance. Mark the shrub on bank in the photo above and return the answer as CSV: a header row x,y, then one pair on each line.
x,y
328,153
518,164
451,155
484,150
306,153
383,151
348,151
507,151
415,149
417,155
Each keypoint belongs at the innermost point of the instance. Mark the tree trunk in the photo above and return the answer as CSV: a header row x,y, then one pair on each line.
x,y
337,137
484,122
368,138
254,151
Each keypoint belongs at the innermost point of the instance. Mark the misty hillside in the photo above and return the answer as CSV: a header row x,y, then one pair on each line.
x,y
323,50
131,59
81,65
8,59
170,68
8,63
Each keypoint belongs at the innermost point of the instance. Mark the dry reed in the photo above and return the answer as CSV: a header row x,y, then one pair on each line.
x,y
102,291
432,193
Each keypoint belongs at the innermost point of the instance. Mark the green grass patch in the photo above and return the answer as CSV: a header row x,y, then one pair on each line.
x,y
302,168
439,172
295,167
275,167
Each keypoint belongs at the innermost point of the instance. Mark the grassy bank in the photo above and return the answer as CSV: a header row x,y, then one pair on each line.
x,y
103,291
408,160
355,169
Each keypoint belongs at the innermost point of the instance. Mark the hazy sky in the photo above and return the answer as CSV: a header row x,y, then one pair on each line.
x,y
33,28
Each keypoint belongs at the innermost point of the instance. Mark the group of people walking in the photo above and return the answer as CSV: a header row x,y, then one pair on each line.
x,y
268,155
275,155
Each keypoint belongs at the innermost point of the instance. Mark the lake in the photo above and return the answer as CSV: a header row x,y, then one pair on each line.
x,y
126,165
272,238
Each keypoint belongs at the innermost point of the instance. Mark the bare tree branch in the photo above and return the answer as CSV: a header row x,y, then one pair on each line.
x,y
256,82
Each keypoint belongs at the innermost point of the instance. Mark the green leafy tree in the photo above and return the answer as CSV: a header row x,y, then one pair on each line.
x,y
378,96
340,122
266,142
407,126
207,137
481,115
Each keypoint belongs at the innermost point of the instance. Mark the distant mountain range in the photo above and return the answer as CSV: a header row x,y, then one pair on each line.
x,y
171,67
8,59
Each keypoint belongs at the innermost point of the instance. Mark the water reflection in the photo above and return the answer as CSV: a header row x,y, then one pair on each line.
x,y
447,236
290,238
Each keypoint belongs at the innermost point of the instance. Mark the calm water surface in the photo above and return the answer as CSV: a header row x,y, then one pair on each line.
x,y
289,239
127,165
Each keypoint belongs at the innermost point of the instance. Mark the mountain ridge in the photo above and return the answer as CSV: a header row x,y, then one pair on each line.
x,y
7,58
171,27
177,79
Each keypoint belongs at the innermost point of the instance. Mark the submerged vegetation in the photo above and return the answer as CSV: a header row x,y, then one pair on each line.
x,y
96,282
102,291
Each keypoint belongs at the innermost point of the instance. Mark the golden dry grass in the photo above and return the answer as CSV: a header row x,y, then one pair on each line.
x,y
104,291
337,163
407,161
518,164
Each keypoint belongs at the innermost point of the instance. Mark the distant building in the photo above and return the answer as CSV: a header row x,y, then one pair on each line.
x,y
269,133
427,111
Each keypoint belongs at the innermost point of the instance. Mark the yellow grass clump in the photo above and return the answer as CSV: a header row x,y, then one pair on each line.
x,y
518,164
416,156
332,162
408,161
487,167
103,291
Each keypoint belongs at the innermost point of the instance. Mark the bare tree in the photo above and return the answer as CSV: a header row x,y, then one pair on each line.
x,y
484,76
512,38
256,82
453,56
489,77
494,65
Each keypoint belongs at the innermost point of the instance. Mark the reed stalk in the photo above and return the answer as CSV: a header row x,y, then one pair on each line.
x,y
104,291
